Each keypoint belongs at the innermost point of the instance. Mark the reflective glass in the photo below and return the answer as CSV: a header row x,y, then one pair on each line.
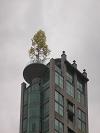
x,y
56,125
81,120
46,124
46,94
69,89
45,109
79,124
24,124
83,127
59,126
25,111
80,93
69,77
59,102
25,97
59,80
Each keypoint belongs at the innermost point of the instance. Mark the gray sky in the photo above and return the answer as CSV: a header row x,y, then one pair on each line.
x,y
70,25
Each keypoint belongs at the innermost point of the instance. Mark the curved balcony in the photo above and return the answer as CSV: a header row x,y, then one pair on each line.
x,y
34,70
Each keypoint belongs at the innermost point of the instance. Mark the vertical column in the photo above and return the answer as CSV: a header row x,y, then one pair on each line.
x,y
75,94
23,86
64,70
52,96
86,100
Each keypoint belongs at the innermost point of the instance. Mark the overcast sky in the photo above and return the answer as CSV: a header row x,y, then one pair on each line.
x,y
70,25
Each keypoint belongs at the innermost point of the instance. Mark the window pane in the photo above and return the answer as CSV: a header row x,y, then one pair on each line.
x,y
59,103
56,78
79,124
25,111
59,80
61,99
46,124
81,120
69,77
46,94
79,113
45,109
24,125
71,106
56,125
61,110
25,97
69,89
56,107
56,96
80,93
82,99
83,117
57,69
60,127
78,96
83,127
79,86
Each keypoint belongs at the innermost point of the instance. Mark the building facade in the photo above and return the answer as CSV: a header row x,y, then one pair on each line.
x,y
55,100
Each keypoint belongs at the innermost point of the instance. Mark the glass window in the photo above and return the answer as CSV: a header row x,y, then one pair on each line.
x,y
71,112
83,127
24,125
59,103
25,111
45,94
59,80
80,93
34,124
70,106
59,98
57,69
25,97
79,124
81,121
69,85
34,97
59,109
45,109
59,127
45,124
69,77
69,89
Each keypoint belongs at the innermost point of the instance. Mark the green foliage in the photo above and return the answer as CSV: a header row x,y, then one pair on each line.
x,y
39,49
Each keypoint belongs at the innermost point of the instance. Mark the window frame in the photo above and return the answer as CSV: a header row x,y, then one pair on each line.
x,y
59,126
59,103
59,80
81,120
80,93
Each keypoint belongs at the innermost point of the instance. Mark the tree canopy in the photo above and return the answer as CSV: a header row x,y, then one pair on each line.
x,y
39,49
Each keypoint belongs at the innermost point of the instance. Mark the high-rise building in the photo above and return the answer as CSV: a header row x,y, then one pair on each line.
x,y
55,99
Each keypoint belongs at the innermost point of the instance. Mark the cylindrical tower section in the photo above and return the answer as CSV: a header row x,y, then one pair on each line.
x,y
33,73
34,125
